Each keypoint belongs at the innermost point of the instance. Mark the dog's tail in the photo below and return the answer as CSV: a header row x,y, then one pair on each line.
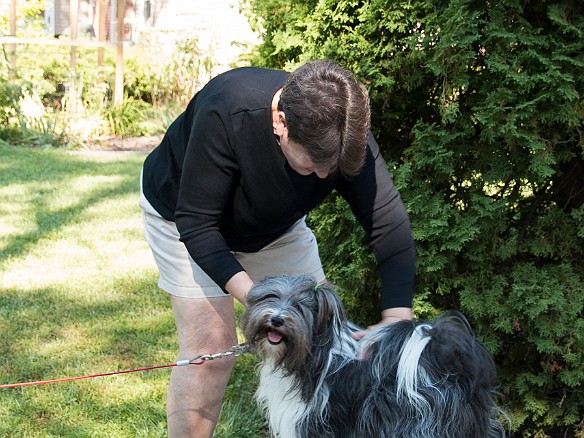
x,y
408,371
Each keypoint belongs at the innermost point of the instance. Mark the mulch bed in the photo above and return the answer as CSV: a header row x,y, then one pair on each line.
x,y
127,144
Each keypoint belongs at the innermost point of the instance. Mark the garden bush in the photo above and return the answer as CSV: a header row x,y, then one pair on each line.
x,y
478,108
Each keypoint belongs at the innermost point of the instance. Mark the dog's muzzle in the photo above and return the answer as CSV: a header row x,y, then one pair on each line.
x,y
275,337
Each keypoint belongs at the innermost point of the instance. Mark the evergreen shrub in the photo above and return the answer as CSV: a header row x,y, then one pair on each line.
x,y
479,109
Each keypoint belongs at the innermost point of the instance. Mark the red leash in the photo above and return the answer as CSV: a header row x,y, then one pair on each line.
x,y
66,379
236,350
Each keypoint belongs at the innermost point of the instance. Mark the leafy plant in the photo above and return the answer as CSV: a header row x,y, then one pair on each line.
x,y
478,109
78,104
38,125
125,119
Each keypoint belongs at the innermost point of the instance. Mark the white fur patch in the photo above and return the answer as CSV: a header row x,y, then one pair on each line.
x,y
285,406
407,369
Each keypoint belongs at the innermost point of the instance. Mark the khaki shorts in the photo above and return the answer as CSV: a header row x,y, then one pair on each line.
x,y
293,253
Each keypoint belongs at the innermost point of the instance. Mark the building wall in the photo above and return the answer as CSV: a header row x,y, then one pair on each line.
x,y
217,25
57,17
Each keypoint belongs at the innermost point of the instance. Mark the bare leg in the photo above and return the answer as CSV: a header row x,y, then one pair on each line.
x,y
195,392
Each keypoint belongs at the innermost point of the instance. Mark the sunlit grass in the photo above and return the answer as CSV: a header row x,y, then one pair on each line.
x,y
78,296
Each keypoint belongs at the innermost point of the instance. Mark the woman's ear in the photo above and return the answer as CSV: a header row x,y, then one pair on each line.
x,y
280,124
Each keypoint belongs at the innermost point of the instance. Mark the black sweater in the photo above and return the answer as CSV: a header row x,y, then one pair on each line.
x,y
220,174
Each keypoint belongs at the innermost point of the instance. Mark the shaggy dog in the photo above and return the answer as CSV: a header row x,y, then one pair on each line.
x,y
408,379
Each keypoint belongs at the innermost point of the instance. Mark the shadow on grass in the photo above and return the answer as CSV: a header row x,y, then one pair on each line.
x,y
46,330
49,333
46,334
30,167
133,329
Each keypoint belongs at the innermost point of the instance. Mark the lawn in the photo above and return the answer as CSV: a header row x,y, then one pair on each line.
x,y
78,296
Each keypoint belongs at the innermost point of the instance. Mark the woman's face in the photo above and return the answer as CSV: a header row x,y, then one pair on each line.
x,y
298,159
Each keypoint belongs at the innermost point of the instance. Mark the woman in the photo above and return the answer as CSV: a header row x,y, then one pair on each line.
x,y
225,195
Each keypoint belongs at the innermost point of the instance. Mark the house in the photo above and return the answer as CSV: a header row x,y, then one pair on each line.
x,y
219,26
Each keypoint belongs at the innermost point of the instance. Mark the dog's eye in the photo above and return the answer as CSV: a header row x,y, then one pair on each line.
x,y
302,304
270,297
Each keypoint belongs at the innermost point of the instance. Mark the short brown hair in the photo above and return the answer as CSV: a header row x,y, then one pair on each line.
x,y
327,113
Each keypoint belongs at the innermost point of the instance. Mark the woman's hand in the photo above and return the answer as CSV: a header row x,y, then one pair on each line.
x,y
239,285
388,316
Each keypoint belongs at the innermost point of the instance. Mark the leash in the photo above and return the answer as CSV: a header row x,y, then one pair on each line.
x,y
236,351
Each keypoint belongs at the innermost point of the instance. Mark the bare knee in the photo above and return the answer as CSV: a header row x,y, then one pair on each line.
x,y
205,327
204,324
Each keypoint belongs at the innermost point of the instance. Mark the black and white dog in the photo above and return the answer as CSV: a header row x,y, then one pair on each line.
x,y
408,379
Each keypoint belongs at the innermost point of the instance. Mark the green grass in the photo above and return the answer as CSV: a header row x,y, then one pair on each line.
x,y
78,296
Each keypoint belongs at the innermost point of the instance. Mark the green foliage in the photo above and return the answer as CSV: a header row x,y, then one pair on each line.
x,y
181,68
29,15
188,69
478,106
126,119
25,119
77,106
344,253
9,97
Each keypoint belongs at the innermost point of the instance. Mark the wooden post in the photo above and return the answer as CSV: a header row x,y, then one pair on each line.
x,y
100,13
119,79
12,47
73,24
101,32
73,21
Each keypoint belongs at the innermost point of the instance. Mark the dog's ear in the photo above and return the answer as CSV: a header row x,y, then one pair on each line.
x,y
331,313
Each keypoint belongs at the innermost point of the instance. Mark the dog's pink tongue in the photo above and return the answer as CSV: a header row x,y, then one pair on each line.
x,y
275,337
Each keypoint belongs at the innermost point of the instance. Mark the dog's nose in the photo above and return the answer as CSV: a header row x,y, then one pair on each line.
x,y
277,321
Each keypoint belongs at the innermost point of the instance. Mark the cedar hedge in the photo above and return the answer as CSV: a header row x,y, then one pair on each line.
x,y
479,108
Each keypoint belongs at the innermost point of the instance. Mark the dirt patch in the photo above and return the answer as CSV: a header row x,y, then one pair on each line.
x,y
117,144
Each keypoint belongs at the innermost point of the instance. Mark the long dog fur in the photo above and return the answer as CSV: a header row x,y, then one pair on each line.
x,y
408,379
